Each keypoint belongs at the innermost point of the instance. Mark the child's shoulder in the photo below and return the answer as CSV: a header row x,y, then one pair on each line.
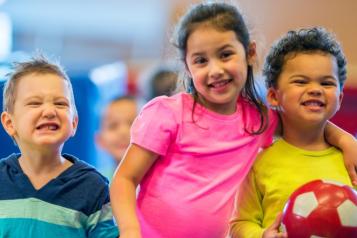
x,y
170,101
9,161
84,181
83,171
164,105
276,149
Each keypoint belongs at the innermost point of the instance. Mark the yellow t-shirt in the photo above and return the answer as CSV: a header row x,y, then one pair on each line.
x,y
278,172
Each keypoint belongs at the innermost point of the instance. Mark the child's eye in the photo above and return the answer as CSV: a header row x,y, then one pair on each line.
x,y
61,104
112,126
33,103
200,60
300,81
328,83
226,54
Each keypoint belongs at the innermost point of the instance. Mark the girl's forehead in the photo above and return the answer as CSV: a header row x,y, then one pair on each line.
x,y
205,37
215,25
207,26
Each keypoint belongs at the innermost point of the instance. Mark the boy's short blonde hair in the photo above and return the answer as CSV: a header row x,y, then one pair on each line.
x,y
36,65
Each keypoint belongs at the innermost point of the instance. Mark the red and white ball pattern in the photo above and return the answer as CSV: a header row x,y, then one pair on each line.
x,y
321,209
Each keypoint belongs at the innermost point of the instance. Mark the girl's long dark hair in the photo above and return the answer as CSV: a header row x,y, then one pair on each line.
x,y
224,17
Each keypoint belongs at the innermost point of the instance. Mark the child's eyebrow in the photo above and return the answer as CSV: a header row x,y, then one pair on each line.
x,y
225,47
61,98
35,97
330,77
32,98
307,77
199,53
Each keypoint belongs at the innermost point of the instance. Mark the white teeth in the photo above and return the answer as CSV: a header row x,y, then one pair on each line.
x,y
48,127
313,104
219,84
52,127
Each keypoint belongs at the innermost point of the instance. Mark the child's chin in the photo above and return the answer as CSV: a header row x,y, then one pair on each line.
x,y
118,156
52,142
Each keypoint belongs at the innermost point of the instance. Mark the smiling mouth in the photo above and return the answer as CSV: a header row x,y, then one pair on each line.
x,y
313,103
50,127
220,83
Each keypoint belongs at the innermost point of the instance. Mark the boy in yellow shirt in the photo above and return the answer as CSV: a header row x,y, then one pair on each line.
x,y
305,72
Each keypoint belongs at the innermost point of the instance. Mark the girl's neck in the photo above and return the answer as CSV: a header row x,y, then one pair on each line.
x,y
224,109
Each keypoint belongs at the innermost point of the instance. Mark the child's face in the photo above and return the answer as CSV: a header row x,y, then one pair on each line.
x,y
308,91
43,116
114,136
217,63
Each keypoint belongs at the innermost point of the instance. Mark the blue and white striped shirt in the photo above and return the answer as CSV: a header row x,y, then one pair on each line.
x,y
75,204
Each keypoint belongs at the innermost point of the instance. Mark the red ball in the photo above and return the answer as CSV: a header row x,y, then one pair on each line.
x,y
321,209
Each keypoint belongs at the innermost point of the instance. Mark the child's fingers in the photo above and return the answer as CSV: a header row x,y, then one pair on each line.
x,y
281,235
351,169
273,230
277,221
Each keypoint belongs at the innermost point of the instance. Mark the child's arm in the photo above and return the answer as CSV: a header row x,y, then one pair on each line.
x,y
249,213
348,144
247,221
273,230
134,166
101,223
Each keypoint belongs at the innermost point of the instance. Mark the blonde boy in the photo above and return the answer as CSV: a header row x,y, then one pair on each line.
x,y
43,192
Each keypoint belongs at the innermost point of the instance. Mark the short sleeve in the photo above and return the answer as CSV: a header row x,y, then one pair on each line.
x,y
156,125
268,134
102,224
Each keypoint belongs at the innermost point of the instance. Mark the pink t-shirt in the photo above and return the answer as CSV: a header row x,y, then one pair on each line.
x,y
190,189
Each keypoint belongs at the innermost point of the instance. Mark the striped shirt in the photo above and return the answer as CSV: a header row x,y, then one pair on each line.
x,y
75,204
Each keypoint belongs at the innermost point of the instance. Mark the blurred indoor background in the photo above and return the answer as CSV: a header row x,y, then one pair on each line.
x,y
109,47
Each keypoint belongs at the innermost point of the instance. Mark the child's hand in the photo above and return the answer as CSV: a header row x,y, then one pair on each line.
x,y
350,158
273,230
348,144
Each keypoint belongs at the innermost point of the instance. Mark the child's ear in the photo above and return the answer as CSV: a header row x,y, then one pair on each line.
x,y
272,97
252,53
187,71
74,125
340,100
8,124
98,140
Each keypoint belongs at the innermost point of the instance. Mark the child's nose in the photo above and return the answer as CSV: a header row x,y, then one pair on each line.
x,y
124,129
216,70
315,90
49,111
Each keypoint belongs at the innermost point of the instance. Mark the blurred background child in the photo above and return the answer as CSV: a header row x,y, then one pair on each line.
x,y
162,82
114,131
158,81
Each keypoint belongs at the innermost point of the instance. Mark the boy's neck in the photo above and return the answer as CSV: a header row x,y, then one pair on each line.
x,y
42,167
311,138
